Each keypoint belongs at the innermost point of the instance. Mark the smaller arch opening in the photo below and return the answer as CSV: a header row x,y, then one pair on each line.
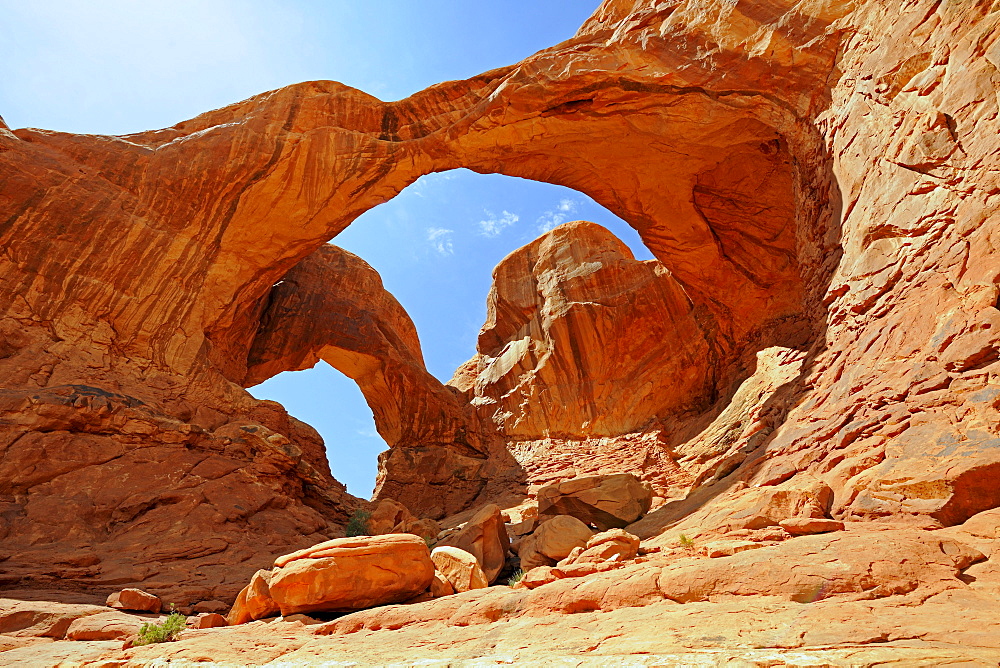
x,y
333,405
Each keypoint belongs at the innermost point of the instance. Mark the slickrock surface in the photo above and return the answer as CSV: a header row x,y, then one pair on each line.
x,y
854,598
819,182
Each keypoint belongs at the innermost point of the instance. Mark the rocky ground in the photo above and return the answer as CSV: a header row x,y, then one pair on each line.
x,y
865,595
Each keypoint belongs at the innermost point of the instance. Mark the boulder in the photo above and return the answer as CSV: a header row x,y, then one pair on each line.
x,y
389,516
440,585
610,545
484,537
553,540
424,527
540,575
105,626
557,537
41,619
727,548
134,599
459,568
802,526
386,515
207,620
603,501
351,574
255,601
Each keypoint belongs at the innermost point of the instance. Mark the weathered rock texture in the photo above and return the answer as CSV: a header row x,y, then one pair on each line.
x,y
572,320
819,183
351,574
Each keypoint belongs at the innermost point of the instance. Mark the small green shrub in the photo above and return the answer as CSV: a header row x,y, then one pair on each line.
x,y
685,542
151,632
515,578
357,523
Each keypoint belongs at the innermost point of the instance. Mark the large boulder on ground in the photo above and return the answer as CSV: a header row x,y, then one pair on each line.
x,y
484,537
206,620
254,601
41,619
352,573
555,539
459,568
134,599
610,545
604,501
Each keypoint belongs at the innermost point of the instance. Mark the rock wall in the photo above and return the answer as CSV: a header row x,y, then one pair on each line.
x,y
820,183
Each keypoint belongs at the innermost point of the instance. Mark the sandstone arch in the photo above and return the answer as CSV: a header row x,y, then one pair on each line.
x,y
134,270
332,306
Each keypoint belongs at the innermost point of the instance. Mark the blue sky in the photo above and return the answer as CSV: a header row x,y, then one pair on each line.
x,y
119,66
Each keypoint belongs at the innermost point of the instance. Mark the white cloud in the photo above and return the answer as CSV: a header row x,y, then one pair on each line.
x,y
494,225
440,239
421,185
556,216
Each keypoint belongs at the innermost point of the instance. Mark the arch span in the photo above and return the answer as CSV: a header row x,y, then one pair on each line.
x,y
332,306
715,161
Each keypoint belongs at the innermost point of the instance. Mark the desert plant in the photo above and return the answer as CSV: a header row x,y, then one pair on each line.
x,y
685,542
151,632
515,578
357,523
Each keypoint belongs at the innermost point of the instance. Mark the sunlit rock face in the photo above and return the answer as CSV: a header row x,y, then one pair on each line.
x,y
572,321
818,185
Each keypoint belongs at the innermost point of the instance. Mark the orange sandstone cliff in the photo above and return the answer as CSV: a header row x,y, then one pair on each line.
x,y
818,337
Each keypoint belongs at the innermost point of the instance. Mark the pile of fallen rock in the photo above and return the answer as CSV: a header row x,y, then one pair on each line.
x,y
576,527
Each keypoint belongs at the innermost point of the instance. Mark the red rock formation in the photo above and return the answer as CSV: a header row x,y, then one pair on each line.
x,y
573,319
819,181
332,306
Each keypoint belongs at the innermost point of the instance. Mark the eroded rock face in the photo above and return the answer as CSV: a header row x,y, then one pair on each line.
x,y
573,319
103,489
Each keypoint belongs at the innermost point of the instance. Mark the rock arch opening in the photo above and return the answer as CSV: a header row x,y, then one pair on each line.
x,y
333,405
444,289
717,167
